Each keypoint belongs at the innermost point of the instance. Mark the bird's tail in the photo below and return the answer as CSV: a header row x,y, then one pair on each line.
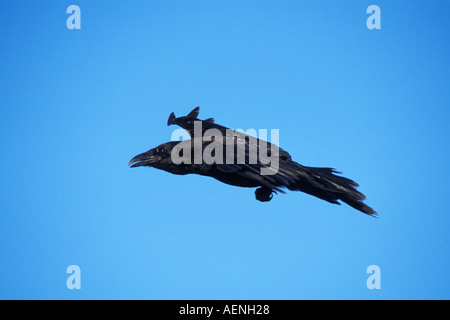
x,y
325,184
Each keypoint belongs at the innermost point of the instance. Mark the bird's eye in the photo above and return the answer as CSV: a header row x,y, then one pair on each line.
x,y
162,150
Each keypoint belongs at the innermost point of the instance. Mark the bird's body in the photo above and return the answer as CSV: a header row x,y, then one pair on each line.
x,y
245,167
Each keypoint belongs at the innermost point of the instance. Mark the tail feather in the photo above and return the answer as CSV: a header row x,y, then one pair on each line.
x,y
359,205
333,188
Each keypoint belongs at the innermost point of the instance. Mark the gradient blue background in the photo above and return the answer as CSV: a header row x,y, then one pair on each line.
x,y
77,105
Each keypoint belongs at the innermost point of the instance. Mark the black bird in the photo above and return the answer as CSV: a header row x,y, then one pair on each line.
x,y
246,166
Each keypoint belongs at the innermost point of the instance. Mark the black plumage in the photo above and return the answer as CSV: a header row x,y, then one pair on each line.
x,y
245,166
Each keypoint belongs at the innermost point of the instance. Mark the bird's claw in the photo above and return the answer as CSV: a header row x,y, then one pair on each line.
x,y
264,194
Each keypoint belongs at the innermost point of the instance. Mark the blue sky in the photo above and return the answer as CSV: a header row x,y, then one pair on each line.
x,y
77,105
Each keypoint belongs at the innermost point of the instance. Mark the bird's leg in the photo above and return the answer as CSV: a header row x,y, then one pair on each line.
x,y
264,194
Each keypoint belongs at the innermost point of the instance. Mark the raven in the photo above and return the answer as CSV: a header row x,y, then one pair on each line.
x,y
246,165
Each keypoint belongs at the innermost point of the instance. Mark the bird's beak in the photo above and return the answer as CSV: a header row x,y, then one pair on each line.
x,y
142,159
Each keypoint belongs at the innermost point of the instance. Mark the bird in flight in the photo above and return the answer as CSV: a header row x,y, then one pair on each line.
x,y
241,160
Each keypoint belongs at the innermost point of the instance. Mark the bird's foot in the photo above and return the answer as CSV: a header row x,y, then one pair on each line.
x,y
264,194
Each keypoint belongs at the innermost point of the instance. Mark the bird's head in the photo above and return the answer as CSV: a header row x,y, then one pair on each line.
x,y
159,157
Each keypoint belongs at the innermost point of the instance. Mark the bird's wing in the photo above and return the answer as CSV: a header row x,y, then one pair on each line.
x,y
260,161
